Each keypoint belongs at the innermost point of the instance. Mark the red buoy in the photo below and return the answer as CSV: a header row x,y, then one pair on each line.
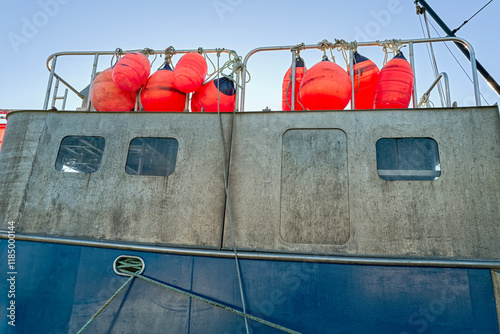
x,y
190,72
2,133
160,94
325,86
106,96
365,81
286,100
131,71
206,96
394,84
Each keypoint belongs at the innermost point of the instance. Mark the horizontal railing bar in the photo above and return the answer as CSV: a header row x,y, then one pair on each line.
x,y
269,256
372,43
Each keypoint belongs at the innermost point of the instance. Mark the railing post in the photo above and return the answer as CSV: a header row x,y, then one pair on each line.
x,y
351,74
412,63
49,84
294,67
92,78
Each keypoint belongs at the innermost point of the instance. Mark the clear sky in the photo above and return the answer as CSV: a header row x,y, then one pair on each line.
x,y
32,30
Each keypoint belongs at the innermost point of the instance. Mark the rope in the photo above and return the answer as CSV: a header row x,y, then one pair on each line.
x,y
207,57
344,47
211,302
131,278
149,52
118,54
169,53
323,46
234,64
297,50
391,45
226,186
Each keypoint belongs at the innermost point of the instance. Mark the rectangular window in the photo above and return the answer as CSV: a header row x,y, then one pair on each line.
x,y
152,156
79,154
408,159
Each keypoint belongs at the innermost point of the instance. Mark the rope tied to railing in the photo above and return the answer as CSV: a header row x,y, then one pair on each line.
x,y
297,48
344,47
118,54
149,52
323,46
169,53
234,64
391,45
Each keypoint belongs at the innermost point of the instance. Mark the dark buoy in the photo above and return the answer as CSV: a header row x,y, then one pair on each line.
x,y
206,97
365,81
286,101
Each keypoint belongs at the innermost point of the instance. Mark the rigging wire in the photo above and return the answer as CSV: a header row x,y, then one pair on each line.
x,y
432,57
458,62
466,21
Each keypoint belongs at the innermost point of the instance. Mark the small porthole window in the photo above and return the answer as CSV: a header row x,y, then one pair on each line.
x,y
152,156
80,154
408,159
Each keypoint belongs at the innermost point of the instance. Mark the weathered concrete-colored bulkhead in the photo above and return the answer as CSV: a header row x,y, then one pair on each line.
x,y
303,182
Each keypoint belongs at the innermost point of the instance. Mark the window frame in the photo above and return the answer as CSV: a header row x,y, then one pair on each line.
x,y
62,166
403,156
169,156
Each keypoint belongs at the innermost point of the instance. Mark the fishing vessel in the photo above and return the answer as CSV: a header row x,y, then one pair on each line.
x,y
319,221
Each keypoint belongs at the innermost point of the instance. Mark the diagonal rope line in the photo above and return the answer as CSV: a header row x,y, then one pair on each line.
x,y
211,302
106,304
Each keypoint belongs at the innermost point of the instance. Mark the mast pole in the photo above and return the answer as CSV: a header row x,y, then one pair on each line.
x,y
449,33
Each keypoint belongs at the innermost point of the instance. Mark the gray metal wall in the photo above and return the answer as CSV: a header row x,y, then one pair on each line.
x,y
457,215
299,182
185,208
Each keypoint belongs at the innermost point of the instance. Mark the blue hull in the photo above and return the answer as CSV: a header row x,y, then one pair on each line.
x,y
58,288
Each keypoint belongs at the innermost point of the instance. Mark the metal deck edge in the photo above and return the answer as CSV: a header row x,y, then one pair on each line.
x,y
270,256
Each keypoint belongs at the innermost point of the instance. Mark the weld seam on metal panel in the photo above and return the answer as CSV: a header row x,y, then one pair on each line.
x,y
249,255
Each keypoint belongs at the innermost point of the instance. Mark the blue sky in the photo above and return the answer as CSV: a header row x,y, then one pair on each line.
x,y
32,30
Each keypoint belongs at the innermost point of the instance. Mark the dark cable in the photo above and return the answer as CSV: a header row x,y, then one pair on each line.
x,y
455,30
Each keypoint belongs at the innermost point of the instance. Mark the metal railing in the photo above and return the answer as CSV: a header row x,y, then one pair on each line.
x,y
241,75
410,43
425,97
52,61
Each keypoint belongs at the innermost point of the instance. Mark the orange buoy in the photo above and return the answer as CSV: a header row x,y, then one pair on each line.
x,y
106,96
190,72
325,86
394,84
131,71
206,96
2,133
365,81
286,101
160,94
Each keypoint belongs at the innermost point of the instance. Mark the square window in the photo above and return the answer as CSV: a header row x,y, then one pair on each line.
x,y
408,159
152,156
79,154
